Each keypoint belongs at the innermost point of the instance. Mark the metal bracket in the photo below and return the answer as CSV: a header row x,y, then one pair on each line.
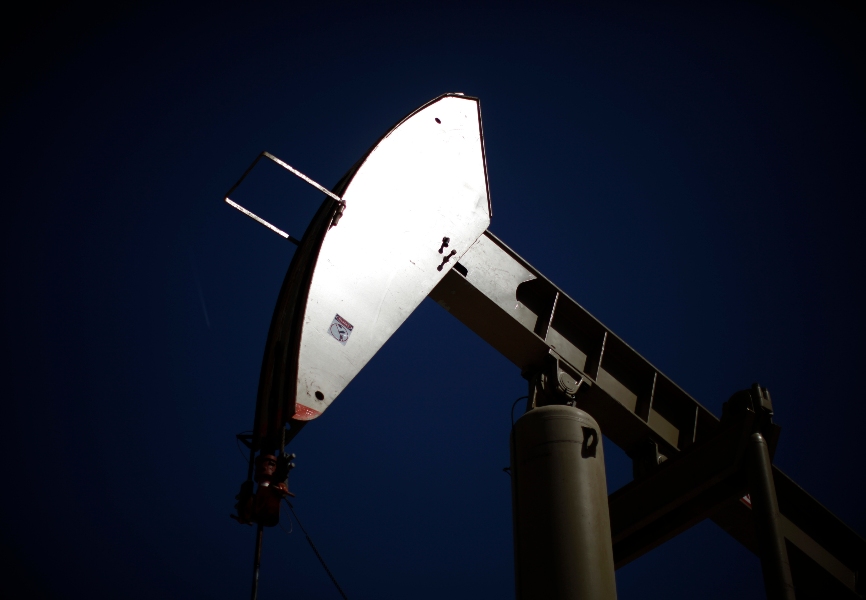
x,y
337,215
555,382
645,458
756,401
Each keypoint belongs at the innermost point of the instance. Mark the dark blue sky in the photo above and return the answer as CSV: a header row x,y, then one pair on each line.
x,y
692,176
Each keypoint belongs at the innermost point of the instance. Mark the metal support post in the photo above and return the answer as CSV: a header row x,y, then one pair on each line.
x,y
257,561
765,512
562,543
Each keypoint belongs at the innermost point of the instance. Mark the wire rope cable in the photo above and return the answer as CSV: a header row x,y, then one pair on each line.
x,y
315,550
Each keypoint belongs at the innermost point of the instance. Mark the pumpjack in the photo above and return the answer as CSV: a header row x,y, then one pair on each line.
x,y
409,220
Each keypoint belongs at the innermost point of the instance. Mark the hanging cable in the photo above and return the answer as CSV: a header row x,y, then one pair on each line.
x,y
508,469
291,526
238,444
512,408
245,457
313,546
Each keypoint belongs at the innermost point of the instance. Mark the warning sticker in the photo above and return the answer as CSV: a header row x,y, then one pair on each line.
x,y
340,329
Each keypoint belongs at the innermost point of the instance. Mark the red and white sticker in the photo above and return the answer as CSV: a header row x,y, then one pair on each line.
x,y
340,329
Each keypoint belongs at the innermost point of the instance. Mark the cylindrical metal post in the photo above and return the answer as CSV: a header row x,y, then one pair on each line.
x,y
562,545
257,560
765,512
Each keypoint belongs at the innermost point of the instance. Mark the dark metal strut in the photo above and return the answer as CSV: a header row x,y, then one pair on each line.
x,y
257,561
768,530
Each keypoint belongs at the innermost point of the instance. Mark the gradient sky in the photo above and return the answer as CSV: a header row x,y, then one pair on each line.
x,y
692,176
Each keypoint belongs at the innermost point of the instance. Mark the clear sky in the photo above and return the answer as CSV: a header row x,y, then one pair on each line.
x,y
693,176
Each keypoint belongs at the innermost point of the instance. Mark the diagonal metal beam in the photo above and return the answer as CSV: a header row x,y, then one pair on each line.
x,y
528,319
